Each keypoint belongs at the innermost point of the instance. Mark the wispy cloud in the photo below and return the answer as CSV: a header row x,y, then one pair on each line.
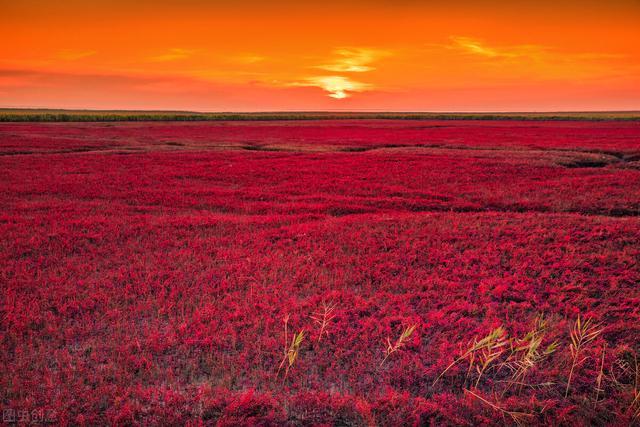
x,y
479,47
173,54
344,60
353,60
338,87
249,58
537,61
73,54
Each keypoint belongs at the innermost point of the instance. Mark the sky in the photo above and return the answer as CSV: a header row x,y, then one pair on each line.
x,y
281,55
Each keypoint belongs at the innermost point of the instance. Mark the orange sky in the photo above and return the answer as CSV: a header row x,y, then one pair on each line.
x,y
321,55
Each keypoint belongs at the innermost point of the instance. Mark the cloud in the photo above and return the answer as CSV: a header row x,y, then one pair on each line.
x,y
174,54
473,46
478,47
539,61
353,60
73,54
345,60
339,87
249,59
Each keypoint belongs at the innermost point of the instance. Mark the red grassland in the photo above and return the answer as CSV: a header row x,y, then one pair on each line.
x,y
147,269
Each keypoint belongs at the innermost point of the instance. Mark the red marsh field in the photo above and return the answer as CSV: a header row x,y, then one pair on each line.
x,y
331,272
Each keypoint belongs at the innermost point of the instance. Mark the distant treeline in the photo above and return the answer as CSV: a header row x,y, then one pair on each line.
x,y
14,115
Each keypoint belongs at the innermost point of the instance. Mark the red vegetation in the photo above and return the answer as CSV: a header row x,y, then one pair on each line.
x,y
146,270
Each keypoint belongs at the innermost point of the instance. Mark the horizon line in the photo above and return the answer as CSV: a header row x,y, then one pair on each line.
x,y
368,110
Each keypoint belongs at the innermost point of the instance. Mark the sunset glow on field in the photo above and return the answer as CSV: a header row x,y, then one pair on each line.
x,y
332,55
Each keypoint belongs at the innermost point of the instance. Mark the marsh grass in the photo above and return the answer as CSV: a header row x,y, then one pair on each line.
x,y
399,343
323,317
527,353
489,345
520,418
634,408
506,362
600,376
55,115
582,334
292,350
489,354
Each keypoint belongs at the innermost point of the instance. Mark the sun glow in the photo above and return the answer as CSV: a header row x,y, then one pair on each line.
x,y
338,87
